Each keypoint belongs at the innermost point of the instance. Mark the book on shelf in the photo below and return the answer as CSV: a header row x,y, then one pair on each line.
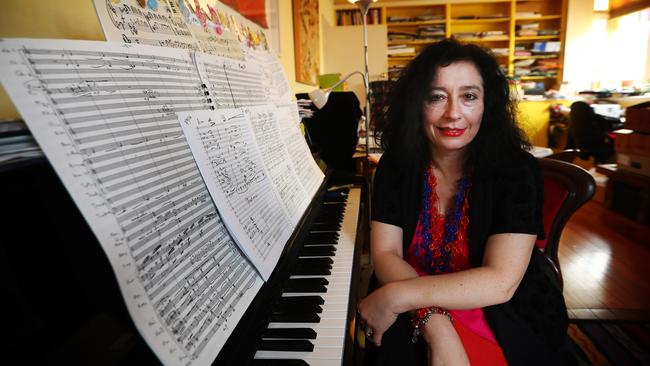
x,y
546,47
528,14
400,50
429,17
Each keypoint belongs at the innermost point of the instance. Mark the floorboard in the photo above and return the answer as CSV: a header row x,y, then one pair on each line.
x,y
605,261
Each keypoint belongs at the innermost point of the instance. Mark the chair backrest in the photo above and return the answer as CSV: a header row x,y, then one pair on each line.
x,y
333,130
566,188
567,155
588,134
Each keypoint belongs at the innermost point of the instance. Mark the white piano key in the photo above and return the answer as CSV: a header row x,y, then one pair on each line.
x,y
331,330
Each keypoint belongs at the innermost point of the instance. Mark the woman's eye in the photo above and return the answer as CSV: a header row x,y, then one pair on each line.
x,y
471,96
436,98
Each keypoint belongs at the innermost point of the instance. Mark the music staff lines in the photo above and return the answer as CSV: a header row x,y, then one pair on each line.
x,y
142,191
197,256
189,79
110,63
149,58
192,193
82,71
164,246
79,89
146,95
146,197
110,146
173,214
245,274
147,103
151,154
159,171
129,132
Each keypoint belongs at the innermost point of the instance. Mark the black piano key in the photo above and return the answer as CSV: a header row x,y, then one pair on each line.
x,y
278,362
313,270
297,308
289,345
325,227
322,238
316,262
316,285
288,300
291,333
318,251
294,318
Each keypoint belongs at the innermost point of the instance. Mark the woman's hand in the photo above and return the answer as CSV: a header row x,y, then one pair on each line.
x,y
376,314
444,344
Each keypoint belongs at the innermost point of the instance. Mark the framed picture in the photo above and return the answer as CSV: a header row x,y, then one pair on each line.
x,y
306,40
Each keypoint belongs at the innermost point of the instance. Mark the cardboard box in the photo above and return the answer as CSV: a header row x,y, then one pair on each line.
x,y
634,163
632,143
637,117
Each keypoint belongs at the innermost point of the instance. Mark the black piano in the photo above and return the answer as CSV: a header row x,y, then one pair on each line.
x,y
62,304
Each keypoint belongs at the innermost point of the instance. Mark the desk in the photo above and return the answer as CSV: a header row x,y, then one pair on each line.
x,y
617,176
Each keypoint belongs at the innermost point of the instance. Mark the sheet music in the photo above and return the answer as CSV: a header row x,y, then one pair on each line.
x,y
166,25
224,146
128,22
273,76
309,174
277,161
106,117
232,83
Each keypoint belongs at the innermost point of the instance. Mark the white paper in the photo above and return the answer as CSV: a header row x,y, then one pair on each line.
x,y
224,146
106,117
167,25
309,174
129,22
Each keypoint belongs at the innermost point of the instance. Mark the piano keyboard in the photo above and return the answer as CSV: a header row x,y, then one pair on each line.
x,y
309,321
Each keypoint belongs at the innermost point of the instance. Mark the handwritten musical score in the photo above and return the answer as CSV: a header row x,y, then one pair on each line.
x,y
128,22
106,117
233,169
309,174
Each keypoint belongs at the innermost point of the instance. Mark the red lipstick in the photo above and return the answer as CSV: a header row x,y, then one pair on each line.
x,y
452,132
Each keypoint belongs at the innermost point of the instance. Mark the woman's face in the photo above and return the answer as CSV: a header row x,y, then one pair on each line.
x,y
453,109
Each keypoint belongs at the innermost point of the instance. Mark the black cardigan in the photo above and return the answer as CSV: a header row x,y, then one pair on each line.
x,y
531,327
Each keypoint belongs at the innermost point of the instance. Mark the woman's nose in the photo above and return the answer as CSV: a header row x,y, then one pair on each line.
x,y
452,111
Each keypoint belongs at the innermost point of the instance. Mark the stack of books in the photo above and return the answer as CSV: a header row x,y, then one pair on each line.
x,y
400,51
526,30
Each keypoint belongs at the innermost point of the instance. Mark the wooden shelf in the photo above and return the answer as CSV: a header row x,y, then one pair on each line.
x,y
415,24
535,38
535,57
485,39
412,43
479,21
472,17
543,17
535,77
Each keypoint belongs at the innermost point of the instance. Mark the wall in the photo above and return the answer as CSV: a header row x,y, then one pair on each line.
x,y
45,19
350,57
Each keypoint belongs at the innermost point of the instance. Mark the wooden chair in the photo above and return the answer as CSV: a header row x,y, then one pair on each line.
x,y
567,155
566,188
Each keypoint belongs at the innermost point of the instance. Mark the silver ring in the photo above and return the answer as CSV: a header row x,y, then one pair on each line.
x,y
369,333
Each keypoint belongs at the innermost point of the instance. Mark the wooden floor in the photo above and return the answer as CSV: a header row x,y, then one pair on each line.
x,y
605,261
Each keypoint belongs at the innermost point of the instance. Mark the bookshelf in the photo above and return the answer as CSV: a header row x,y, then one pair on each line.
x,y
526,36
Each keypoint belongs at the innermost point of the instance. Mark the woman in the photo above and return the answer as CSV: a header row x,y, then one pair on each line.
x,y
456,212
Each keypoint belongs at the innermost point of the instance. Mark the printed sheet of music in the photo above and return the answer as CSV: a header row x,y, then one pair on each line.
x,y
178,160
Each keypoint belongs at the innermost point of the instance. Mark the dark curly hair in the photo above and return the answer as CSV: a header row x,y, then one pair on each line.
x,y
402,126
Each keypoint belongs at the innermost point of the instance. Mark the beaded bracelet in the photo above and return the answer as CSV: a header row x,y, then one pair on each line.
x,y
421,316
